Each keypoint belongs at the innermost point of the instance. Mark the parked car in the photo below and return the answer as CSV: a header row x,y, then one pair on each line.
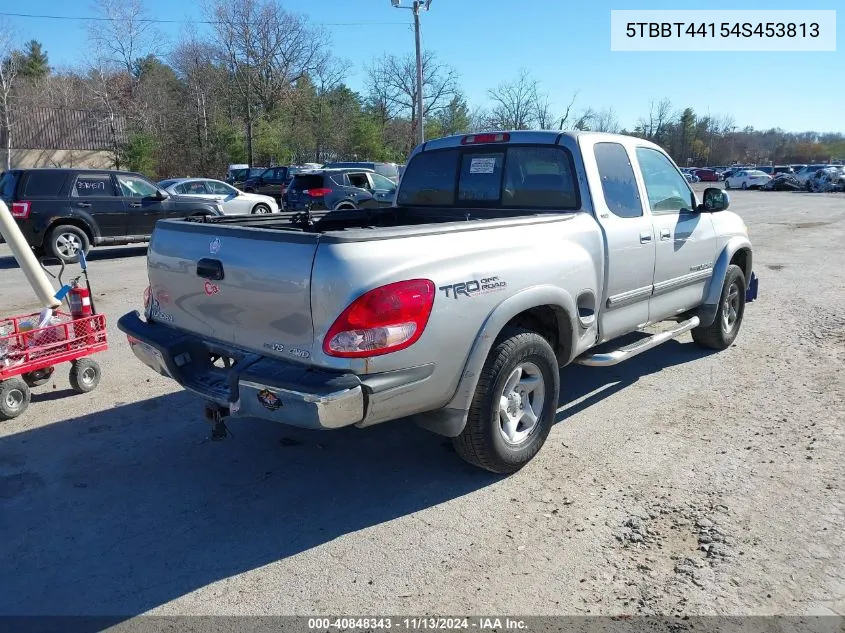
x,y
807,171
64,211
338,189
783,169
388,170
707,175
505,257
272,182
831,178
233,201
747,179
233,171
691,177
240,176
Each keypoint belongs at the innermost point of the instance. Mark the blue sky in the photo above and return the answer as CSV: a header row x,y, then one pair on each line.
x,y
564,43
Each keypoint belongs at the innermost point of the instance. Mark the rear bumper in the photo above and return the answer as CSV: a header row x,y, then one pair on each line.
x,y
263,387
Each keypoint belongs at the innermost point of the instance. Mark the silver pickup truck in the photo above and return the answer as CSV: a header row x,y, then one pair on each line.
x,y
504,257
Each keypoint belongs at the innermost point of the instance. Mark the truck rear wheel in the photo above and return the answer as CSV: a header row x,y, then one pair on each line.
x,y
722,332
514,405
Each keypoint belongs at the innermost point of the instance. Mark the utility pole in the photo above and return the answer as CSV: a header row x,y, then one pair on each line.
x,y
415,7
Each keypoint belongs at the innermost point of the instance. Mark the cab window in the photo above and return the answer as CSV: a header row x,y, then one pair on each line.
x,y
667,189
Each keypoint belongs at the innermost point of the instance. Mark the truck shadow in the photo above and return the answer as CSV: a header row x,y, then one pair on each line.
x,y
121,511
124,510
581,386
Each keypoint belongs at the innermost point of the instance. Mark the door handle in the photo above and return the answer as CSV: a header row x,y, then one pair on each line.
x,y
665,234
84,205
134,205
645,238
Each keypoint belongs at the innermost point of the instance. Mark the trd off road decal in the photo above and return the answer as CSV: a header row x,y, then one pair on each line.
x,y
269,400
474,287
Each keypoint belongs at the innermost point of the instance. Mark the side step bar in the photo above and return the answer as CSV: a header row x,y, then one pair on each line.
x,y
629,351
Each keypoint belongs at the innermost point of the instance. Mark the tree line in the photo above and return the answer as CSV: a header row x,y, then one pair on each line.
x,y
263,86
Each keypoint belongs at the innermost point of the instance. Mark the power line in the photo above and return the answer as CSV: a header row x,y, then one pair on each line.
x,y
186,21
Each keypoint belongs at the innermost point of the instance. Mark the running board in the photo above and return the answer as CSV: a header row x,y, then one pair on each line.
x,y
629,351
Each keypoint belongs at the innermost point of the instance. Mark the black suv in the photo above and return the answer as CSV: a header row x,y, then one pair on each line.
x,y
339,189
63,211
273,182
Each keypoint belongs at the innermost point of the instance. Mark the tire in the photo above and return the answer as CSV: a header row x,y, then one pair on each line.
x,y
345,206
84,375
38,377
14,398
488,440
727,184
261,208
65,241
723,331
744,185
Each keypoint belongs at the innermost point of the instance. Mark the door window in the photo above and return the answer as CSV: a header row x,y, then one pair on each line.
x,y
380,183
667,189
358,180
135,187
617,180
93,186
220,188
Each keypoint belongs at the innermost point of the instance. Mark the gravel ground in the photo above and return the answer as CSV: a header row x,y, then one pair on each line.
x,y
680,482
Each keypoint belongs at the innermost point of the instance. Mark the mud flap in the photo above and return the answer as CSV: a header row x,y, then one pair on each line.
x,y
751,291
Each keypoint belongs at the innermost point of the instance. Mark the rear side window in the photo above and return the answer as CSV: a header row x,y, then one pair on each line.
x,y
7,185
430,179
93,185
46,184
541,177
617,180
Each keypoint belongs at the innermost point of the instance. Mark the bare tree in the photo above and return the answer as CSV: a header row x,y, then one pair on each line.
x,y
8,75
659,116
605,121
126,35
267,50
543,113
514,103
393,85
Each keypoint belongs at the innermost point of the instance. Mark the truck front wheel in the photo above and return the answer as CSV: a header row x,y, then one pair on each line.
x,y
722,332
514,405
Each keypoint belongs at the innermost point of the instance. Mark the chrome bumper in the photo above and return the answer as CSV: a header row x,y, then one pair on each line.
x,y
256,386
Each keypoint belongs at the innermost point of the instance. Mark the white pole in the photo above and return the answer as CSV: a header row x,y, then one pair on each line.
x,y
26,259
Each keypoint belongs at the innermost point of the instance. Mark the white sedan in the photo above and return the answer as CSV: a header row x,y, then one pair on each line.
x,y
747,179
234,201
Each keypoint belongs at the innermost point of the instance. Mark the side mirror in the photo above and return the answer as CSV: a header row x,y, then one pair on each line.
x,y
715,199
161,195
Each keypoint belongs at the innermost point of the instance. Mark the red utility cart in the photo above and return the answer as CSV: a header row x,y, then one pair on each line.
x,y
29,354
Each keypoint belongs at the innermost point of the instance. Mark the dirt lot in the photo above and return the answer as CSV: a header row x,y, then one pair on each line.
x,y
681,481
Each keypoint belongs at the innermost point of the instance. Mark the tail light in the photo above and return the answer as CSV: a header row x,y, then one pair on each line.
x,y
317,193
386,319
21,210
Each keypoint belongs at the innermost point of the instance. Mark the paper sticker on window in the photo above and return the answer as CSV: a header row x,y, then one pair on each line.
x,y
482,166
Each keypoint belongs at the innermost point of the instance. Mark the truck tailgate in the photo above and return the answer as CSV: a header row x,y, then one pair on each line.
x,y
239,285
